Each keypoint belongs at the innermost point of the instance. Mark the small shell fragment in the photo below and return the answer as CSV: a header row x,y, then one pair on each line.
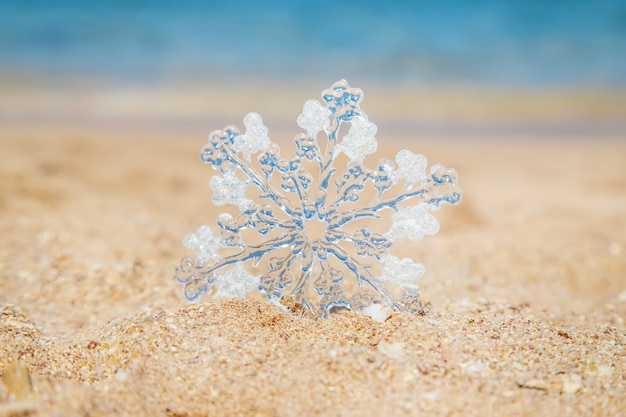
x,y
378,312
534,383
571,387
393,350
16,380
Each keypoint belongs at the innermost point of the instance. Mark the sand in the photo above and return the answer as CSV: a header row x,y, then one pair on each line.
x,y
527,282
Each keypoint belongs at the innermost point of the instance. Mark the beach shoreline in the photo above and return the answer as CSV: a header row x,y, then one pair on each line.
x,y
525,278
397,107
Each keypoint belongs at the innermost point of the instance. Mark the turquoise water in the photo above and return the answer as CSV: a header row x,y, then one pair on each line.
x,y
516,42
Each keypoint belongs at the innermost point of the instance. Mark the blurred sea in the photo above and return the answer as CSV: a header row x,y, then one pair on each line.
x,y
482,42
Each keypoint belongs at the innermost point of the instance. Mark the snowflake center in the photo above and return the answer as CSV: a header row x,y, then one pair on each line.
x,y
314,229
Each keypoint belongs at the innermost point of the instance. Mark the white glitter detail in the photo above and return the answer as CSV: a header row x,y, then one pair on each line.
x,y
413,222
360,140
235,283
229,190
255,139
411,167
314,118
402,272
204,244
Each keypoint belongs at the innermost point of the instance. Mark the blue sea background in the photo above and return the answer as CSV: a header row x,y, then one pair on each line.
x,y
481,42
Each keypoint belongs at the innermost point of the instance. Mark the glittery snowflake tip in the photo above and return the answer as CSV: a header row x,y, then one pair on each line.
x,y
299,229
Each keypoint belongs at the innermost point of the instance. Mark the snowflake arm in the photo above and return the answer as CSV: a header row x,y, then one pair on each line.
x,y
441,188
361,274
223,154
252,252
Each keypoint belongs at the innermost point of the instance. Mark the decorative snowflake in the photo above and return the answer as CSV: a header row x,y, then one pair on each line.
x,y
314,242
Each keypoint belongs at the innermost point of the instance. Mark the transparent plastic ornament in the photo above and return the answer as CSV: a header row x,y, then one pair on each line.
x,y
306,227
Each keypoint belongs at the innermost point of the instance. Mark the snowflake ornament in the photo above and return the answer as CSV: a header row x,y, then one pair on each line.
x,y
300,228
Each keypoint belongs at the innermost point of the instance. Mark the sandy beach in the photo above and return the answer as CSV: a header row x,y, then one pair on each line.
x,y
527,277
